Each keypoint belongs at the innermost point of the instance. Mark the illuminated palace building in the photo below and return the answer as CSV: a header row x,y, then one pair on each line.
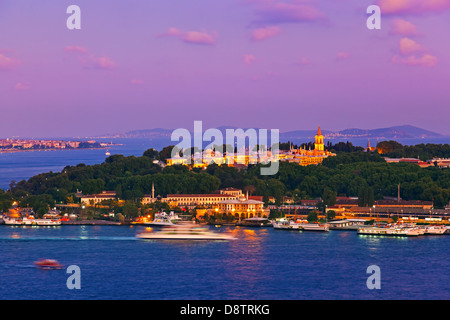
x,y
304,156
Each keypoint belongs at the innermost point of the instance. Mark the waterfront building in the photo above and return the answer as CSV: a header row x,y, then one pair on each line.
x,y
194,200
94,199
242,208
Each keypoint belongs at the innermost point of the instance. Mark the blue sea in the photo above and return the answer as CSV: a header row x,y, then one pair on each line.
x,y
23,165
261,264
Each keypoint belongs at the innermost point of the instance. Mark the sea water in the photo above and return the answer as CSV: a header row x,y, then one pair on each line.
x,y
261,264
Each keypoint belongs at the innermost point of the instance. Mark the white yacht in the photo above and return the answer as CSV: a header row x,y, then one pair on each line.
x,y
184,232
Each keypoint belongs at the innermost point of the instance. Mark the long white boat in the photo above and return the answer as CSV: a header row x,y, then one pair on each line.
x,y
284,224
185,232
27,221
436,230
314,227
391,231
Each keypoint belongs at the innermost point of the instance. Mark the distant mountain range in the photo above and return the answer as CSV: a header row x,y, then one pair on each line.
x,y
391,133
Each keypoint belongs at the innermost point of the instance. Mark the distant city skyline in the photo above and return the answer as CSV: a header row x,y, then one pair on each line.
x,y
288,65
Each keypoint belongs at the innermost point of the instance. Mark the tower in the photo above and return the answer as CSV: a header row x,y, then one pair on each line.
x,y
153,191
318,144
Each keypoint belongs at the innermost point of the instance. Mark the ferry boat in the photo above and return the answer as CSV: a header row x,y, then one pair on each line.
x,y
184,232
436,230
284,224
30,221
314,227
390,231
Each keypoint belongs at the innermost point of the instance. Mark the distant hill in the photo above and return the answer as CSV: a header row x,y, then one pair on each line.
x,y
396,132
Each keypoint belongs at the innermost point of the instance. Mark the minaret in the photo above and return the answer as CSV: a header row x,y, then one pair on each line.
x,y
318,144
153,191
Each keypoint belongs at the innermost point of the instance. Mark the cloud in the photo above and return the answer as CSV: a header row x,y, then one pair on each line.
x,y
413,7
304,61
104,62
426,60
90,60
79,49
408,46
136,81
249,58
282,12
195,37
7,63
403,28
20,86
342,55
264,33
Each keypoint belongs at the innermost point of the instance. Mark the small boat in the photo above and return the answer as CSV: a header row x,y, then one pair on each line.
x,y
255,222
185,232
107,153
48,264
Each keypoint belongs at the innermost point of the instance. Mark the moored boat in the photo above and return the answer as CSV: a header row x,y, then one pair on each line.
x,y
314,227
284,224
436,230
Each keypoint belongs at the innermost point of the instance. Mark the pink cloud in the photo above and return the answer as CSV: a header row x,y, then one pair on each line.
x,y
304,61
264,33
426,60
20,86
249,58
76,49
89,60
342,55
7,63
403,28
104,63
281,12
136,81
408,46
400,7
195,37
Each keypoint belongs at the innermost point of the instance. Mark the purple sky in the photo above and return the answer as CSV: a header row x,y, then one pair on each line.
x,y
287,65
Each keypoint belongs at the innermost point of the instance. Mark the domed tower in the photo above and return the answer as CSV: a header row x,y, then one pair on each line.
x,y
318,144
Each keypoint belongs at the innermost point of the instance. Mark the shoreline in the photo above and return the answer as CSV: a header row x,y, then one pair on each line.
x,y
45,150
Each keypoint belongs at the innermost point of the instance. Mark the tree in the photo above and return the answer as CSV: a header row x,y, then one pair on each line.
x,y
329,197
151,153
366,197
331,214
312,216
